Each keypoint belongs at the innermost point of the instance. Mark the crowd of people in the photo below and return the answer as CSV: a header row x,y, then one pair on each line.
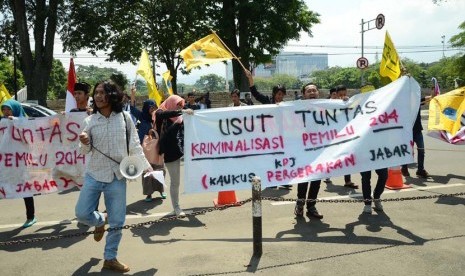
x,y
115,128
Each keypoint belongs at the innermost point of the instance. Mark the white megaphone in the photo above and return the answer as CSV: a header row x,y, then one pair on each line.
x,y
131,167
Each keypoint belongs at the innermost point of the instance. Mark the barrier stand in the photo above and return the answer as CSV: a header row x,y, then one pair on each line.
x,y
257,215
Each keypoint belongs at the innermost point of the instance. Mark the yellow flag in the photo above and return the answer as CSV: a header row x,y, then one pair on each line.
x,y
207,50
145,70
167,78
446,111
4,95
390,63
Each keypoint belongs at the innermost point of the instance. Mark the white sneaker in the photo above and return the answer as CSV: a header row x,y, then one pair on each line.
x,y
367,209
378,206
179,212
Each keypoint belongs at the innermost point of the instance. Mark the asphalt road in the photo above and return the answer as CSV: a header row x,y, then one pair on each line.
x,y
412,237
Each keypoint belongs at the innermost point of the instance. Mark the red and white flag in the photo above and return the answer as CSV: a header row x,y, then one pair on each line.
x,y
70,100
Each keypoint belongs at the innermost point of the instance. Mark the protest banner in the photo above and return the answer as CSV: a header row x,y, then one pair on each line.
x,y
40,155
301,140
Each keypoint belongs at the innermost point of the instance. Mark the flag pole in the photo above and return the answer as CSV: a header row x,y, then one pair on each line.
x,y
232,53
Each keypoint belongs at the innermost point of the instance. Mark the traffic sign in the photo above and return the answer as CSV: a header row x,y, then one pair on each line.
x,y
379,21
362,63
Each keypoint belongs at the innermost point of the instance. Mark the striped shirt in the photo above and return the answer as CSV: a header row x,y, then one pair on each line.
x,y
109,136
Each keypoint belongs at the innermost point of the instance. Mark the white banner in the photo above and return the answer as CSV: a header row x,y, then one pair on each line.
x,y
300,141
40,155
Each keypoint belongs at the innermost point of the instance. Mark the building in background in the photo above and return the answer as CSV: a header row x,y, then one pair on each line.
x,y
296,64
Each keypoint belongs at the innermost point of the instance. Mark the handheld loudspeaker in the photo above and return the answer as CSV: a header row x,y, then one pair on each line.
x,y
131,167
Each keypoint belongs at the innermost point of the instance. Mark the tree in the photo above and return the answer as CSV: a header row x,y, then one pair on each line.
x,y
41,18
257,30
458,41
211,83
164,28
93,74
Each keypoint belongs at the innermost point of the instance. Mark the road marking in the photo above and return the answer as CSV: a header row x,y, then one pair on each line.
x,y
74,221
359,195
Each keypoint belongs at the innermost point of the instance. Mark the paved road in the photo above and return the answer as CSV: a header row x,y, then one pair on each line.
x,y
414,237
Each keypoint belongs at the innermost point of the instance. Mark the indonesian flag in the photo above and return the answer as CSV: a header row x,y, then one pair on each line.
x,y
70,100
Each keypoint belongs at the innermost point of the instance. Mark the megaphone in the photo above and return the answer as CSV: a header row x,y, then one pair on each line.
x,y
131,167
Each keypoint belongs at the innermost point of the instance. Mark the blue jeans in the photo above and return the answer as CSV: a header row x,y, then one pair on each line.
x,y
115,202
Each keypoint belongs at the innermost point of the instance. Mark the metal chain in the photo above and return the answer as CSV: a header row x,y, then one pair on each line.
x,y
220,208
128,226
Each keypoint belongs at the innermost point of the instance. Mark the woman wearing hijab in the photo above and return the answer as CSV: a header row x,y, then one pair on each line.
x,y
12,109
170,129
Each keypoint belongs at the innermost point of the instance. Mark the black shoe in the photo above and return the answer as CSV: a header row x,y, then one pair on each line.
x,y
299,211
422,174
314,214
405,172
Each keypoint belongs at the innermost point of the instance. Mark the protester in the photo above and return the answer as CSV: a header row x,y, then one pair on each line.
x,y
419,141
247,99
191,104
277,96
379,189
81,94
309,91
127,106
12,109
110,135
235,98
170,128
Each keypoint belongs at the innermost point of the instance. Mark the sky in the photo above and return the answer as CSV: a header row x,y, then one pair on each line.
x,y
416,27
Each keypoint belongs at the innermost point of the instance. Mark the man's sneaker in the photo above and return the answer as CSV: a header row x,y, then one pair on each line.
x,y
29,222
404,171
100,231
367,209
115,265
163,195
299,211
179,212
313,212
378,206
422,174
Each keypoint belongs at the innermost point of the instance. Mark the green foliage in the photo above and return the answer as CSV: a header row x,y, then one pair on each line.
x,y
266,84
93,74
58,81
7,75
210,83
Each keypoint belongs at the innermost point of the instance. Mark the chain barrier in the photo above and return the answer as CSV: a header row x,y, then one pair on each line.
x,y
219,208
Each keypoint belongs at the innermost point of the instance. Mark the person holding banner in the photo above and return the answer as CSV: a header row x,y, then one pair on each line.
x,y
12,109
110,135
309,91
277,96
170,128
379,189
419,141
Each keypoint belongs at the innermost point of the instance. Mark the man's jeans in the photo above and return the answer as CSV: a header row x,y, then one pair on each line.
x,y
115,202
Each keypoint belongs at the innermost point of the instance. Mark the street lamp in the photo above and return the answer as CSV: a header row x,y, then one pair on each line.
x,y
443,48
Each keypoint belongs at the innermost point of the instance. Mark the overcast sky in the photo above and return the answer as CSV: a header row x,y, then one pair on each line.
x,y
415,27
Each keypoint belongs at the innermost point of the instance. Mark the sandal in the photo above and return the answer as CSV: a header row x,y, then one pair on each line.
x,y
351,185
